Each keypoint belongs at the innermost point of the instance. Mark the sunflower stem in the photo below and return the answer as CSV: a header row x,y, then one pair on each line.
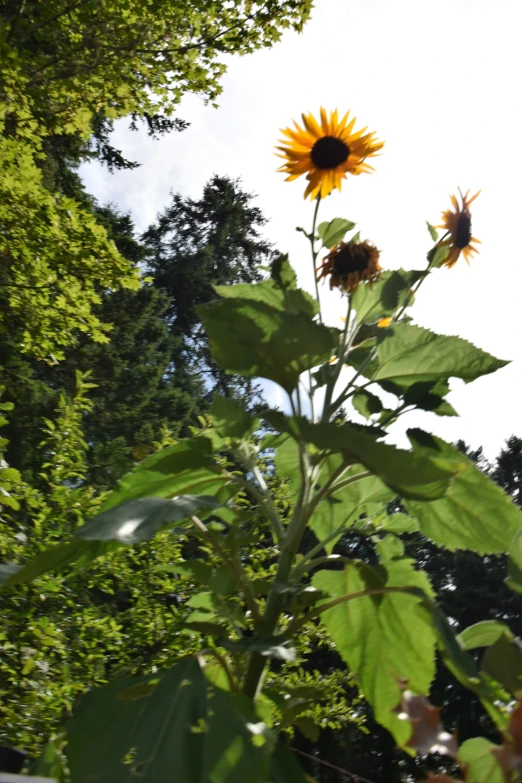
x,y
314,256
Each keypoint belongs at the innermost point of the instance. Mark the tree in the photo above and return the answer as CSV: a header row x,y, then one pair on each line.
x,y
195,245
65,62
156,370
67,70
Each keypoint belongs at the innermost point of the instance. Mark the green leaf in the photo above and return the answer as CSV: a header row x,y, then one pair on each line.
x,y
308,728
140,520
346,505
428,396
482,765
285,767
182,727
464,668
408,354
230,419
475,513
282,272
383,639
280,292
183,468
196,569
205,601
398,524
256,340
385,296
56,558
503,661
433,231
437,256
366,403
514,577
333,232
410,474
482,634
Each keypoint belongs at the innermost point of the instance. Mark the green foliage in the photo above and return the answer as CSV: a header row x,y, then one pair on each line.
x,y
333,232
196,577
256,340
409,354
175,720
63,63
474,514
386,639
55,258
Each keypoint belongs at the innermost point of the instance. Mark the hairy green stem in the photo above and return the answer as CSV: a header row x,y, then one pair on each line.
x,y
274,604
314,256
330,386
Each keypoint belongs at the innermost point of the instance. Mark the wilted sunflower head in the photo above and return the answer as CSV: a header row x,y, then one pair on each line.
x,y
326,153
458,224
350,264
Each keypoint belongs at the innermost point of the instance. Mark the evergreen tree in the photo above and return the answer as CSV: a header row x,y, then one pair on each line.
x,y
196,244
155,371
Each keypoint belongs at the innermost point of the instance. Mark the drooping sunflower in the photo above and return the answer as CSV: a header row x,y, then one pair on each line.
x,y
458,223
326,152
350,264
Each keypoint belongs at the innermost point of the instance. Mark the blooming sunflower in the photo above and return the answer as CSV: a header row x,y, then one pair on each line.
x,y
458,223
326,153
349,264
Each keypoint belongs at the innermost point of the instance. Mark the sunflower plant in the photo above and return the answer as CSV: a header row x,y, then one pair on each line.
x,y
313,474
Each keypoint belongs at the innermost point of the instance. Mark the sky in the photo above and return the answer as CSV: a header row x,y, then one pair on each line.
x,y
438,80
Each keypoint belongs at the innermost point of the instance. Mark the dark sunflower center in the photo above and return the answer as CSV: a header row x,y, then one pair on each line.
x,y
329,152
463,232
352,258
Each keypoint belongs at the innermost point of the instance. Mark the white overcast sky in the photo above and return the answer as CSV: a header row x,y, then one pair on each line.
x,y
439,81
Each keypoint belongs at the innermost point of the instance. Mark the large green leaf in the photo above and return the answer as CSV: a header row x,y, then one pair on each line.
x,y
385,640
140,520
185,468
344,506
230,419
479,755
408,354
56,558
514,575
384,297
482,634
503,661
280,291
171,727
410,474
255,339
475,513
285,767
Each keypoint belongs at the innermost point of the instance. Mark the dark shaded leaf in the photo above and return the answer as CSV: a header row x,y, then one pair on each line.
x,y
230,419
182,727
385,296
140,520
183,468
256,340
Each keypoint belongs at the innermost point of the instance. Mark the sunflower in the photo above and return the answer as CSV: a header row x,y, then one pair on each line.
x,y
326,153
349,264
458,223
